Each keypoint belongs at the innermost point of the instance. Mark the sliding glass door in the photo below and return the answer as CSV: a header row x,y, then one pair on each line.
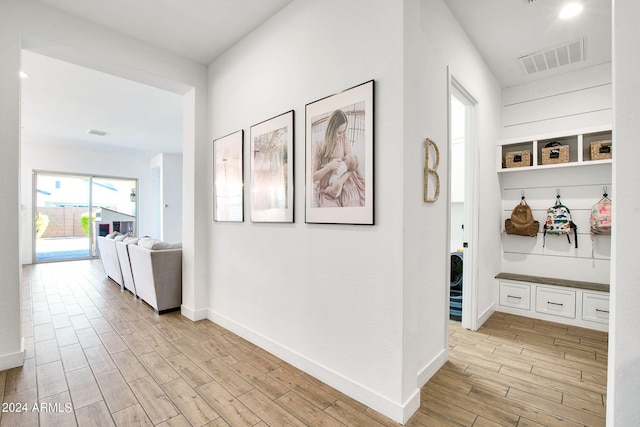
x,y
61,204
71,210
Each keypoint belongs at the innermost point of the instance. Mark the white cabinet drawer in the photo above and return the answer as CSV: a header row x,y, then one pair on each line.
x,y
514,295
595,308
556,302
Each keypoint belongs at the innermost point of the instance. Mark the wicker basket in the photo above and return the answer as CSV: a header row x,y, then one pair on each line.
x,y
600,150
518,159
554,155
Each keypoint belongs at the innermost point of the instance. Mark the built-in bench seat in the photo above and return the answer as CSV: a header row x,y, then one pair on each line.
x,y
577,284
573,302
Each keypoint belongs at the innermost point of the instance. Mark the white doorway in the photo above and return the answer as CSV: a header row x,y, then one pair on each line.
x,y
463,218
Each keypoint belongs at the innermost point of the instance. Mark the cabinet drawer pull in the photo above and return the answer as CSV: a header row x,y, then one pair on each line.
x,y
514,296
555,303
602,311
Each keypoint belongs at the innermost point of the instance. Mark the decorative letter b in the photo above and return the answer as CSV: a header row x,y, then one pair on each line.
x,y
430,172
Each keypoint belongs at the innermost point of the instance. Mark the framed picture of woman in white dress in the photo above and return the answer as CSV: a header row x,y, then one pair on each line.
x,y
228,183
339,157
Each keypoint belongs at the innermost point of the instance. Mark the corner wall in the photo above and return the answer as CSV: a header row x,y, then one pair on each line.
x,y
11,343
326,298
32,25
363,308
435,41
623,382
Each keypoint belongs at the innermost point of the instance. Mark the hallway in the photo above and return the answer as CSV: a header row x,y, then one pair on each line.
x,y
97,356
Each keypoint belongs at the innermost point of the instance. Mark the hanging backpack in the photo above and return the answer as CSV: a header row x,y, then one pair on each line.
x,y
521,222
559,222
600,220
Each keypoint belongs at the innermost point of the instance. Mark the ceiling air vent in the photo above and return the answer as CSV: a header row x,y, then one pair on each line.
x,y
553,58
98,132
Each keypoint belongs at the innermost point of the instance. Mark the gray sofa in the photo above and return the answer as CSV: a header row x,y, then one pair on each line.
x,y
149,268
157,272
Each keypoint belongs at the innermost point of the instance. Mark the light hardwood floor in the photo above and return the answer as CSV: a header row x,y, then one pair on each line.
x,y
97,356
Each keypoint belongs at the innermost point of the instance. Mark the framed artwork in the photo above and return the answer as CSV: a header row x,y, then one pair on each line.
x,y
228,185
272,169
339,157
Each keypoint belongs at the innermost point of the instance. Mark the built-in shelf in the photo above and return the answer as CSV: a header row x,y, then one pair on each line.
x,y
578,144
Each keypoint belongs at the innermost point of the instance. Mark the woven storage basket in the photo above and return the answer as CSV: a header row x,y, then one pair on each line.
x,y
554,155
518,159
600,150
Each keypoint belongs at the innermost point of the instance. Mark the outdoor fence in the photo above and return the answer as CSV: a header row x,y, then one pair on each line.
x,y
63,221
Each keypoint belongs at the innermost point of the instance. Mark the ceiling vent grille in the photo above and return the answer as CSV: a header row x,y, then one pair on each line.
x,y
553,58
98,132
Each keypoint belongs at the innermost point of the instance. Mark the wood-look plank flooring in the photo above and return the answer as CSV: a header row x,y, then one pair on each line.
x,y
518,371
96,356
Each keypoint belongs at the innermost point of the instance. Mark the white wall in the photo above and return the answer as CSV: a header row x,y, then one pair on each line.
x,y
572,100
327,298
553,107
435,40
73,160
172,197
11,343
31,25
166,189
367,318
623,383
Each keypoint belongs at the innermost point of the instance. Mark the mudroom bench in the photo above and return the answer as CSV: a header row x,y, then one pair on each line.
x,y
578,303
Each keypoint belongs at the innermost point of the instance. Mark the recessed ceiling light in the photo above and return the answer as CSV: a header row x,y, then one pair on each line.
x,y
23,75
570,10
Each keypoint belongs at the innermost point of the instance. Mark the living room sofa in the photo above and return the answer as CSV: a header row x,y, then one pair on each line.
x,y
109,258
125,264
157,272
149,268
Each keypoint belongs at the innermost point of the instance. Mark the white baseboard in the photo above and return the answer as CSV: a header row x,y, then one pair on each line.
x,y
12,360
193,315
432,367
396,411
411,406
486,314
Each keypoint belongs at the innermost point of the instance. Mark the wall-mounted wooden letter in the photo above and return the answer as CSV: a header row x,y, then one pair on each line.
x,y
430,172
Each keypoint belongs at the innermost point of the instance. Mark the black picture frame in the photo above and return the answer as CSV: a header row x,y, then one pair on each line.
x,y
339,144
272,173
228,178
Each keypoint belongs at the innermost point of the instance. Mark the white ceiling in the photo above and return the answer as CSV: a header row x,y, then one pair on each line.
x,y
504,30
61,102
200,30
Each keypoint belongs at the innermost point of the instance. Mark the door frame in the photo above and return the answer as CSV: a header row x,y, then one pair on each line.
x,y
471,220
91,177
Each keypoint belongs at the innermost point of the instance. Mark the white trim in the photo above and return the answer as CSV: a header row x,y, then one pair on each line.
x,y
471,232
193,315
394,410
12,360
432,367
486,314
